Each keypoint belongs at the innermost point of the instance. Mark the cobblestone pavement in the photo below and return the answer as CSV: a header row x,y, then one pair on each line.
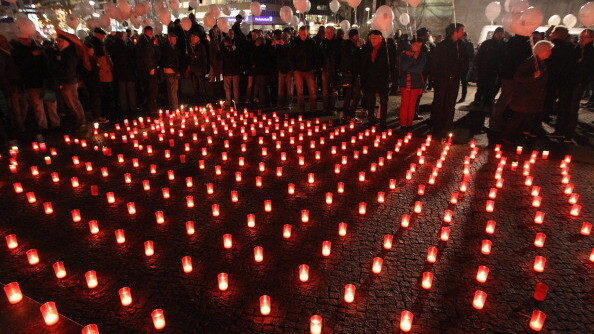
x,y
179,145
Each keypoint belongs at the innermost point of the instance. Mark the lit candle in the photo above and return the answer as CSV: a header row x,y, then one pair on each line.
x,y
304,216
215,210
490,206
125,296
486,247
362,208
539,263
326,248
304,273
90,329
427,280
209,188
541,291
539,240
405,221
286,231
328,198
482,274
149,249
493,193
592,255
315,324
120,236
490,228
131,208
431,254
537,320
585,230
342,229
11,241
110,197
377,265
349,293
444,235
528,181
227,241
258,254
479,299
190,227
158,319
421,190
59,269
223,280
13,292
454,198
418,206
535,191
93,226
258,181
575,210
393,183
499,183
49,311
536,201
187,264
91,277
447,216
519,150
18,188
539,217
291,188
267,205
265,305
32,257
573,198
545,155
406,319
388,238
340,187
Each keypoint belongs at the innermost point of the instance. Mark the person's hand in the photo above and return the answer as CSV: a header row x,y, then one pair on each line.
x,y
537,74
152,72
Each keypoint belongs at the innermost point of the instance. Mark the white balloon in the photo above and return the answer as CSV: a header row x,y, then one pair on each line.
x,y
516,25
104,21
493,10
255,8
404,19
519,6
82,34
124,6
25,27
141,8
554,20
414,3
509,4
243,14
158,29
223,24
354,3
531,19
158,4
214,10
586,15
164,15
334,6
300,5
307,6
209,20
507,21
135,20
286,14
92,23
85,9
147,22
226,10
110,9
245,28
345,25
295,21
570,21
384,16
388,32
186,23
174,4
72,21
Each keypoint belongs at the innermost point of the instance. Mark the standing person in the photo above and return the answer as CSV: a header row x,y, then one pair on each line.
x,y
516,50
304,61
230,56
351,81
469,49
319,37
238,36
170,67
447,63
561,65
10,86
216,67
32,64
198,65
262,69
375,75
529,96
64,65
124,64
489,62
393,57
330,51
105,70
282,52
583,74
411,81
90,79
147,60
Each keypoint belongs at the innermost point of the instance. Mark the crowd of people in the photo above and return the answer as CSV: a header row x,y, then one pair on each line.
x,y
121,74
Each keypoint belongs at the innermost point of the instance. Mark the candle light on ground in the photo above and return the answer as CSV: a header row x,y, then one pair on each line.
x,y
258,254
541,291
125,296
539,240
431,254
326,248
187,264
265,305
13,292
49,311
427,280
479,299
315,324
537,320
91,278
32,257
90,329
406,319
286,231
482,274
377,265
223,280
158,319
11,241
304,273
349,293
227,241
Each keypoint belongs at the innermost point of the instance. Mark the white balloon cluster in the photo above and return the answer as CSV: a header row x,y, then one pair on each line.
x,y
522,18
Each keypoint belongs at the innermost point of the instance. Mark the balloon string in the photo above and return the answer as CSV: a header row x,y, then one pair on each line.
x,y
534,54
454,10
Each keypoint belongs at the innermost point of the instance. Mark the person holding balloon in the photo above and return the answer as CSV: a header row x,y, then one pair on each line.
x,y
411,81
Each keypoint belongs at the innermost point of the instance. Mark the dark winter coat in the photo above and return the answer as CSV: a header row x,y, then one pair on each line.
x,y
231,59
412,69
350,57
261,60
147,55
448,60
64,65
489,58
305,55
10,77
170,57
517,49
529,92
198,58
31,62
561,63
584,70
375,75
124,61
330,52
282,54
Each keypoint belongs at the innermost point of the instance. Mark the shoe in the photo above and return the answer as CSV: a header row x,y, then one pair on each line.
x,y
101,120
418,118
461,100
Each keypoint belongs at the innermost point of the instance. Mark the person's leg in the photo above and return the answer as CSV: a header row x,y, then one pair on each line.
x,y
369,98
311,88
289,88
464,81
299,83
228,86
282,90
236,79
326,90
572,110
357,94
383,110
496,122
249,88
70,96
131,95
438,108
51,107
404,107
347,80
35,97
123,94
152,93
452,95
174,92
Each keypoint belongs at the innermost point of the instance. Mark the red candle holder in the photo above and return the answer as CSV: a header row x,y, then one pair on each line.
x,y
431,255
454,198
539,240
223,281
315,324
362,208
388,239
575,210
215,210
406,319
125,296
131,208
490,228
59,269
265,305
149,248
158,319
493,193
49,311
258,254
479,299
418,207
304,273
227,241
342,229
90,329
448,216
326,248
541,291
267,205
585,230
482,274
539,217
427,280
405,221
340,187
304,216
539,263
287,231
349,293
190,227
13,292
120,236
573,198
91,278
444,235
11,241
377,265
32,257
537,320
187,264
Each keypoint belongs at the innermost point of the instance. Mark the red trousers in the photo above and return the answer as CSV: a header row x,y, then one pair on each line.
x,y
408,105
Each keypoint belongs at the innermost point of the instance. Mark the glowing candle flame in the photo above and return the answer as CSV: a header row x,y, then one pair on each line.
x,y
13,292
406,319
537,320
125,296
479,299
49,311
349,293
